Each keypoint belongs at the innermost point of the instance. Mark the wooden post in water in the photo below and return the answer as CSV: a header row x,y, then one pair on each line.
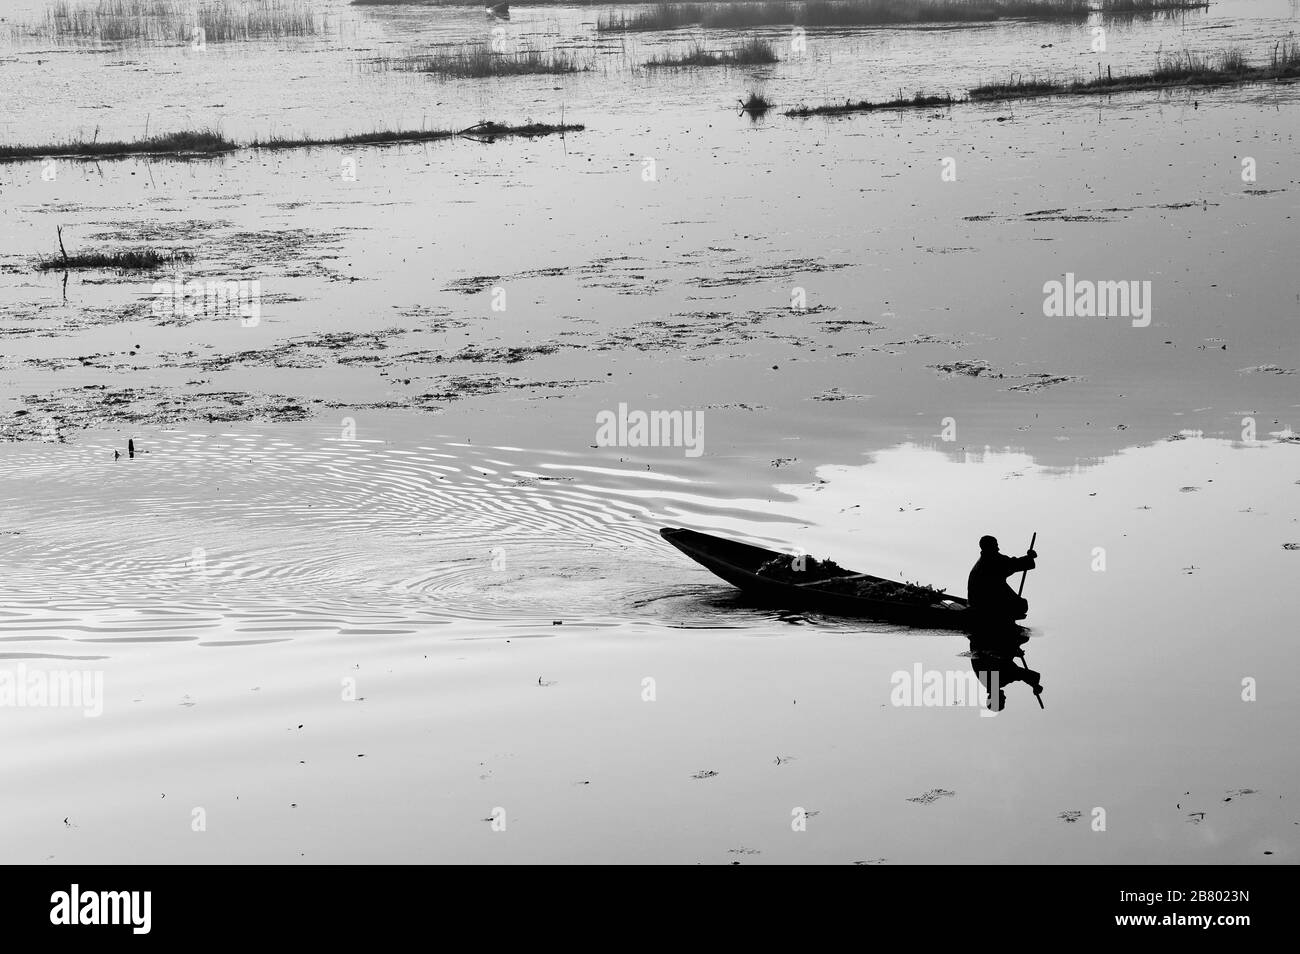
x,y
130,452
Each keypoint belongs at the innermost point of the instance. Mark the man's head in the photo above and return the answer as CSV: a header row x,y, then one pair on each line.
x,y
988,544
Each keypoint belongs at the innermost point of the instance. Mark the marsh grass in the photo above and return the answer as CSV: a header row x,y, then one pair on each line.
x,y
1187,66
1016,87
175,21
756,104
1171,69
1138,7
820,13
918,101
1285,58
752,52
192,142
478,60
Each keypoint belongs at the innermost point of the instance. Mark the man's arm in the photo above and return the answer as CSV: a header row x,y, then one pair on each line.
x,y
1019,564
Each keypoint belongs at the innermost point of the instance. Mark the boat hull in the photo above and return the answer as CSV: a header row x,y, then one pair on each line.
x,y
738,563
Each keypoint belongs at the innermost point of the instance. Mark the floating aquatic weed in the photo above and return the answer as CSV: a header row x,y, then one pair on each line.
x,y
932,796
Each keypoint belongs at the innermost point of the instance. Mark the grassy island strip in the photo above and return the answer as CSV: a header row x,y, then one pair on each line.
x,y
836,13
209,142
919,101
1172,70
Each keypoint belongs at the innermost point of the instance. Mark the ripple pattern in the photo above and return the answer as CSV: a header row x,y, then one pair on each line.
x,y
233,538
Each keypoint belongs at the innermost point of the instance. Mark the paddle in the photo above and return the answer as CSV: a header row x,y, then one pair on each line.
x,y
1032,541
1038,690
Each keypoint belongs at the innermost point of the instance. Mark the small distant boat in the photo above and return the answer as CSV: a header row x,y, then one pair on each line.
x,y
738,564
500,11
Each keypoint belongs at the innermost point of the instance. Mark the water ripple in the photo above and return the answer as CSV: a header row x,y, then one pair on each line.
x,y
221,537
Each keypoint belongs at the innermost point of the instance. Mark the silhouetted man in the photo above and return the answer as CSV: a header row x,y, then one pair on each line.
x,y
991,599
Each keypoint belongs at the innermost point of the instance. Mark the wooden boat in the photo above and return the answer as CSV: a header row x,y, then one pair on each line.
x,y
738,564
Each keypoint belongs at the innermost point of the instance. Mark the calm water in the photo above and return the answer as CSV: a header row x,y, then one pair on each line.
x,y
436,535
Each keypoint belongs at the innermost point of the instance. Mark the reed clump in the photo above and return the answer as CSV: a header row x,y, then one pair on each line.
x,y
117,260
479,60
752,52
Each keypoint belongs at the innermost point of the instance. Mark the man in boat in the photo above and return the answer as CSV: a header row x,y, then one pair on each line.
x,y
992,600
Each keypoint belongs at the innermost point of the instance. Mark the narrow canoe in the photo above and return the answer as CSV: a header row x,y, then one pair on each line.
x,y
738,564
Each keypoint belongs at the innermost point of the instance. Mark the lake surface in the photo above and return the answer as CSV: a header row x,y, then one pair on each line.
x,y
373,588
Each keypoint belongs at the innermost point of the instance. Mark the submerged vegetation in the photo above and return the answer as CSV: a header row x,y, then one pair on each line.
x,y
178,21
753,52
186,144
